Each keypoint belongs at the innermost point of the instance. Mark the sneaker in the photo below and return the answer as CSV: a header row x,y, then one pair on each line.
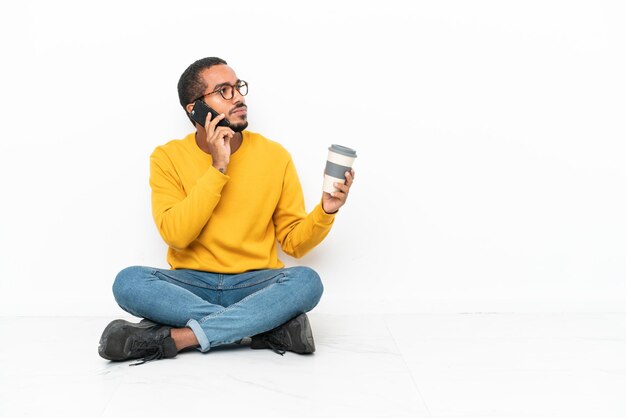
x,y
123,340
294,335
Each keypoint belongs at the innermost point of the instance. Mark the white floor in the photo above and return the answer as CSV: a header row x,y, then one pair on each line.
x,y
472,365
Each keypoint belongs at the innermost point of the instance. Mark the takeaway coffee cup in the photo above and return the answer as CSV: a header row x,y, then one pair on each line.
x,y
340,160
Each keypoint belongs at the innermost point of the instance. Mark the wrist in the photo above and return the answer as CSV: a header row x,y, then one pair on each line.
x,y
220,167
327,212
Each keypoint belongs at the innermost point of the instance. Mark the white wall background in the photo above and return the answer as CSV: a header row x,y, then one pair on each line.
x,y
490,134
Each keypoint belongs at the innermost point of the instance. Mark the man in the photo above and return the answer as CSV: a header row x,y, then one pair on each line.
x,y
221,198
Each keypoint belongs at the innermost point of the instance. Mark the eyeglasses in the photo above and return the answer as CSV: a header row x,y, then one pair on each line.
x,y
227,91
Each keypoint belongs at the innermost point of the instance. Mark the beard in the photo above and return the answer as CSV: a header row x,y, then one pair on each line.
x,y
239,126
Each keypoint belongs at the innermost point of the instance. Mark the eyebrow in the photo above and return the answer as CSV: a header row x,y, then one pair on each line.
x,y
225,84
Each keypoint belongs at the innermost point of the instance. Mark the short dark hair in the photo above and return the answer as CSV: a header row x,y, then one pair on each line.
x,y
191,85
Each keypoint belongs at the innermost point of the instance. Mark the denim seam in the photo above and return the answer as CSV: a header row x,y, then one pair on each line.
x,y
206,318
243,286
195,284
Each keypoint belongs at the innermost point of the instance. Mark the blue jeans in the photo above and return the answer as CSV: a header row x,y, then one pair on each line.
x,y
219,308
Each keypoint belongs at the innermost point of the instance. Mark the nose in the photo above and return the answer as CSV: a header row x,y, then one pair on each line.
x,y
235,93
238,100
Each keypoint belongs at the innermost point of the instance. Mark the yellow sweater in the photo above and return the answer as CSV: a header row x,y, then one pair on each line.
x,y
230,223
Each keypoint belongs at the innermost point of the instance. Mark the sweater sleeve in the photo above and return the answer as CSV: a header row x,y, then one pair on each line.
x,y
179,216
297,232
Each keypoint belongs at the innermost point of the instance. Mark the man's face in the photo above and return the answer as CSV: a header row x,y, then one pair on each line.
x,y
234,109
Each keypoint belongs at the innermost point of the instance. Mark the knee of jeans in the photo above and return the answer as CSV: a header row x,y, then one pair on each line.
x,y
125,282
312,283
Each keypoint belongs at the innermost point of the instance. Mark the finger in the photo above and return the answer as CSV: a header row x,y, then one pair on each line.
x,y
349,178
342,187
207,122
339,195
215,120
222,133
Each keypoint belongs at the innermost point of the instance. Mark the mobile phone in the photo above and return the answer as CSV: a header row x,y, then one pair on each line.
x,y
201,110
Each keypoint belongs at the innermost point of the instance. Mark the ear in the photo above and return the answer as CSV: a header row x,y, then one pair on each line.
x,y
189,107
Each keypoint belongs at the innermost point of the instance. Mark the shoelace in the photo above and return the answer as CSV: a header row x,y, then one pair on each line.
x,y
277,346
156,344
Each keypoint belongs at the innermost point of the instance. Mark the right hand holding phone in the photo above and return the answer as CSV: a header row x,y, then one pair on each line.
x,y
218,140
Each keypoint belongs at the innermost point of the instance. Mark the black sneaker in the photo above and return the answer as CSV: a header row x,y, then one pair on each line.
x,y
294,335
123,340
